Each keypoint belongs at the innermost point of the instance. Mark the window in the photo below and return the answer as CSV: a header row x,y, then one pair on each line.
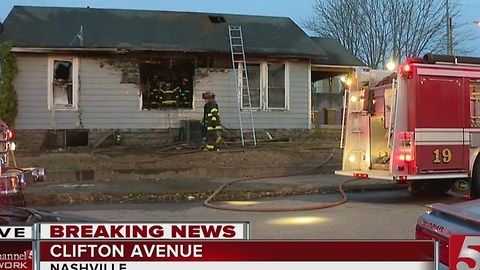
x,y
253,73
268,88
276,86
167,84
63,84
329,85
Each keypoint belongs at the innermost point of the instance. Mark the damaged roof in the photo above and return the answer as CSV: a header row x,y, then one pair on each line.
x,y
337,54
57,27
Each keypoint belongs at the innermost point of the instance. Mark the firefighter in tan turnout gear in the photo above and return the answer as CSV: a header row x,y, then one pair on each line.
x,y
211,121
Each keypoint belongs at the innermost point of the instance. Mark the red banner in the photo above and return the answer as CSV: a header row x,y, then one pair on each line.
x,y
144,231
344,251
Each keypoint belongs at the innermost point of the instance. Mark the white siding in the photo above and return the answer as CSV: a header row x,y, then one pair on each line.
x,y
106,103
31,87
297,117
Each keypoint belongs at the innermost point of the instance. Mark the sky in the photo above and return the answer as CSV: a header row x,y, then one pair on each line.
x,y
297,10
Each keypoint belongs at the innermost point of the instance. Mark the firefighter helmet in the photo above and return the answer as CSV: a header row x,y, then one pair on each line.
x,y
208,94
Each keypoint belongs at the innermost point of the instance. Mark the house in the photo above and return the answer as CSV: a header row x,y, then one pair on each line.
x,y
327,90
95,70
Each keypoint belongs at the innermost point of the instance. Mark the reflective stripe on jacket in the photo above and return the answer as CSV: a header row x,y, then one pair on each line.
x,y
169,94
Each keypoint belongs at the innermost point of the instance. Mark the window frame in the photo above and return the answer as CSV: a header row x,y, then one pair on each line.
x,y
240,80
267,87
75,82
264,87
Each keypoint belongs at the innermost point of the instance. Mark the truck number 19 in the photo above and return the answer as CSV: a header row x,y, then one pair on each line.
x,y
440,156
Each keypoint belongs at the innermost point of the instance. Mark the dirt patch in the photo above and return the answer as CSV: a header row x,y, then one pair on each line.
x,y
181,156
62,199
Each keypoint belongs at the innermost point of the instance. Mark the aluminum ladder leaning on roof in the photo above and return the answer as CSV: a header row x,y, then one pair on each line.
x,y
241,82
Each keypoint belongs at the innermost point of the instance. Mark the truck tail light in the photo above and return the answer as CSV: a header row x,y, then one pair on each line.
x,y
406,157
406,70
407,142
8,135
360,175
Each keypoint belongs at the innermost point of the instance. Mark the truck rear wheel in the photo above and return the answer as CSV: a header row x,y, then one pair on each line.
x,y
416,187
431,187
475,183
439,187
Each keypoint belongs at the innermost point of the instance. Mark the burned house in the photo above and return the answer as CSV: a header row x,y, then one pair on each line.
x,y
143,72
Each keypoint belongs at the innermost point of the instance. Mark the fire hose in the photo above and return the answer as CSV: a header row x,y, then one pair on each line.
x,y
207,202
280,209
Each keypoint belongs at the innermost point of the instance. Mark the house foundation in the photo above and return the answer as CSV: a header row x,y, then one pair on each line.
x,y
34,140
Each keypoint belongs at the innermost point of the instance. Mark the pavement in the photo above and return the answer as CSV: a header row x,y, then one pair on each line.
x,y
68,188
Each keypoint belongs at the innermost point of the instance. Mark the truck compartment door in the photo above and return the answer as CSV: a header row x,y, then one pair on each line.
x,y
440,116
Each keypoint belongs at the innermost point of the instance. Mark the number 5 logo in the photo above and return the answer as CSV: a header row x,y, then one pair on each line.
x,y
465,252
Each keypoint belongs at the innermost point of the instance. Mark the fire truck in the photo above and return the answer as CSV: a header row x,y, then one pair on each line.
x,y
13,180
418,125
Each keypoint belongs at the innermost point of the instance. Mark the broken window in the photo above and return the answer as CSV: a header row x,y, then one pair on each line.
x,y
167,83
267,84
63,84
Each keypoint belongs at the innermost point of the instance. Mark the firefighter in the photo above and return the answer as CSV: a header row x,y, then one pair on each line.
x,y
211,121
185,94
169,95
154,95
155,99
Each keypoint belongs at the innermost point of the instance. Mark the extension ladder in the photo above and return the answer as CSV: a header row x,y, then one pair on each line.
x,y
241,83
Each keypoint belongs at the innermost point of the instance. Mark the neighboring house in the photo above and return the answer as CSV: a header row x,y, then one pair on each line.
x,y
98,69
327,93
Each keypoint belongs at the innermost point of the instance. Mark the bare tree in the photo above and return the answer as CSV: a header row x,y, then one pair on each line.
x,y
377,31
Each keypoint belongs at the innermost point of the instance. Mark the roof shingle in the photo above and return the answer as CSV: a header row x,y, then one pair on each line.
x,y
337,54
56,27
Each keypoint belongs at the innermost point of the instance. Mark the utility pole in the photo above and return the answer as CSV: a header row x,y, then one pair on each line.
x,y
449,35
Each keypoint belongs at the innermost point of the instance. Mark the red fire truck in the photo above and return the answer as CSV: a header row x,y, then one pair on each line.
x,y
13,180
418,125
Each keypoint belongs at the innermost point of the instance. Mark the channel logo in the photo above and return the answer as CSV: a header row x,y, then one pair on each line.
x,y
464,252
29,254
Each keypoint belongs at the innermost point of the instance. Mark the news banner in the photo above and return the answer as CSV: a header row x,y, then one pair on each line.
x,y
207,246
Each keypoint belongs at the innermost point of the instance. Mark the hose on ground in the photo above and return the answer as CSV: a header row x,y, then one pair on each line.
x,y
279,209
191,151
